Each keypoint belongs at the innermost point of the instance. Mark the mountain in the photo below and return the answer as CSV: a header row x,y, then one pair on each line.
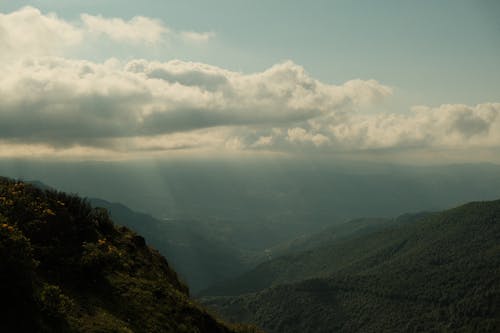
x,y
65,267
199,258
336,232
307,256
437,273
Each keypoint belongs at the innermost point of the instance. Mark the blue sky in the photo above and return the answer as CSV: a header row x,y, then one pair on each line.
x,y
427,72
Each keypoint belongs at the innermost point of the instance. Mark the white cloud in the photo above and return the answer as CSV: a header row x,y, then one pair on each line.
x,y
137,30
454,127
29,32
72,102
198,37
447,126
142,106
300,135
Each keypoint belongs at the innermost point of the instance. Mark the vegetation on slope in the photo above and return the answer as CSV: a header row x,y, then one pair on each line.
x,y
65,267
438,274
310,256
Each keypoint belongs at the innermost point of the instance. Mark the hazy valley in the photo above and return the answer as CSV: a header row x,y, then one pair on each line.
x,y
340,274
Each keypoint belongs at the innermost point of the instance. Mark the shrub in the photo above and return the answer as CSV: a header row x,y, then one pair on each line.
x,y
53,302
16,254
98,257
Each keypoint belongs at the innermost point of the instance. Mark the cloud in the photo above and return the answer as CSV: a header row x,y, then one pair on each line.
x,y
74,102
137,30
445,127
29,32
197,37
452,126
54,106
145,106
300,135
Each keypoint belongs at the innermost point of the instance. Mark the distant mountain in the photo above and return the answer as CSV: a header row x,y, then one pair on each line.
x,y
438,273
308,256
65,267
338,232
282,197
199,258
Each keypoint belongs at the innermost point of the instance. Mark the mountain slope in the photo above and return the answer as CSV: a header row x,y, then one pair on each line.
x,y
310,256
441,273
65,267
199,259
340,232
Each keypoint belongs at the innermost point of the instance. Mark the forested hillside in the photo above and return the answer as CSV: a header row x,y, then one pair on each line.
x,y
65,267
313,255
438,273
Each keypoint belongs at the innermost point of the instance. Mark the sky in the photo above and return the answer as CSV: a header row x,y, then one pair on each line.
x,y
98,79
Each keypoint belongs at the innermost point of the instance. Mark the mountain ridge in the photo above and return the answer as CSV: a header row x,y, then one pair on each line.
x,y
67,268
439,273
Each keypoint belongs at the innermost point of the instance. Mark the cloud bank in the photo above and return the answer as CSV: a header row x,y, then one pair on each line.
x,y
73,102
54,105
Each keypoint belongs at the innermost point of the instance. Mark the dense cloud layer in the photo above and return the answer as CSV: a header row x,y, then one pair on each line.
x,y
447,126
52,104
65,102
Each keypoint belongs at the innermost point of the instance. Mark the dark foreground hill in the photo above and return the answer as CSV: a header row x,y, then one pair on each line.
x,y
440,273
65,267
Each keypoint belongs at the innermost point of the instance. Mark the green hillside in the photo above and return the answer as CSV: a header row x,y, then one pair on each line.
x,y
437,274
65,267
339,232
310,256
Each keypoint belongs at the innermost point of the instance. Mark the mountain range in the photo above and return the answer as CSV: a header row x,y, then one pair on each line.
x,y
67,267
429,272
